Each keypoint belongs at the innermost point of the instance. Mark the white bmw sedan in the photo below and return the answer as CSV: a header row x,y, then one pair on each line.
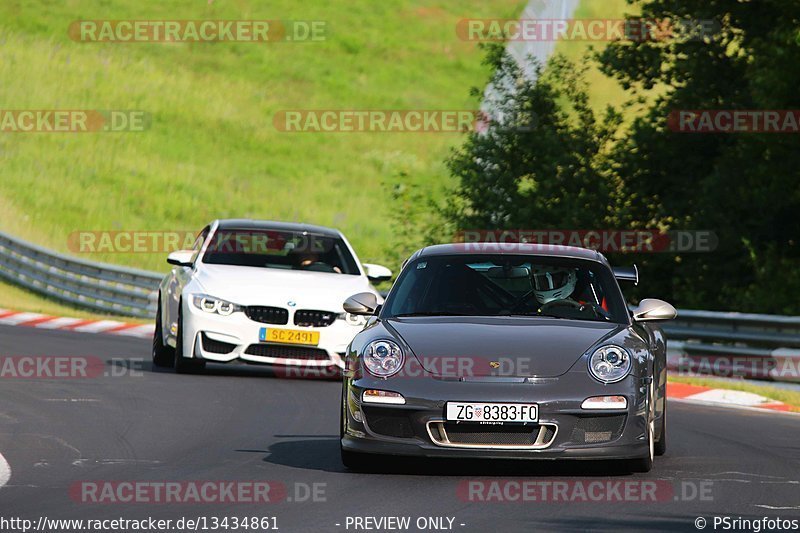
x,y
261,292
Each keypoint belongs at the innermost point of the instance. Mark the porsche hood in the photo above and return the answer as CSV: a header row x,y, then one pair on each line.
x,y
499,346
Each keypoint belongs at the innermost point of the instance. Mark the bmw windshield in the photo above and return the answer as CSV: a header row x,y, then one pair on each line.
x,y
507,285
287,250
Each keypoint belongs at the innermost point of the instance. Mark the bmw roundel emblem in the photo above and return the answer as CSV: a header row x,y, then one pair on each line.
x,y
291,303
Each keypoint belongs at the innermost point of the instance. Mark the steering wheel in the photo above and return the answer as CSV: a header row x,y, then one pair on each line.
x,y
555,304
596,312
519,302
522,300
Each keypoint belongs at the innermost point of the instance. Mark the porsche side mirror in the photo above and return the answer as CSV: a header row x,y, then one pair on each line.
x,y
377,273
363,304
181,258
653,309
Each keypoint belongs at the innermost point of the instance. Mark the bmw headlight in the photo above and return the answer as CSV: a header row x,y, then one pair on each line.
x,y
209,304
383,358
610,363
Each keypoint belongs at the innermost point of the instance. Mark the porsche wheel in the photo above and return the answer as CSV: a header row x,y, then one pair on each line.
x,y
661,443
645,464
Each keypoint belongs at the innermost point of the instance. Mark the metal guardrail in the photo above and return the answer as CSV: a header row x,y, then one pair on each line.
x,y
735,345
97,286
719,340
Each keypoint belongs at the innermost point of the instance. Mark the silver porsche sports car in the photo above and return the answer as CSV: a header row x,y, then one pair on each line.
x,y
506,351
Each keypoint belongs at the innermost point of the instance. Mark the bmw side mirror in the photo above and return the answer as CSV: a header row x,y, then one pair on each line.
x,y
181,258
363,304
377,273
653,309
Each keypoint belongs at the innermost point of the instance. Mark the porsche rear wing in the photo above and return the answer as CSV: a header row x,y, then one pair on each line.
x,y
630,273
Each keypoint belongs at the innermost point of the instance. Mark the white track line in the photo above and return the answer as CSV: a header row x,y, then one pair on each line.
x,y
5,471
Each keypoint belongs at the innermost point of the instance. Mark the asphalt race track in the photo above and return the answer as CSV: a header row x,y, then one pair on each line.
x,y
131,423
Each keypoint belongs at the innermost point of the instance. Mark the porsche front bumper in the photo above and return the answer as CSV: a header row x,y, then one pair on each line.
x,y
564,430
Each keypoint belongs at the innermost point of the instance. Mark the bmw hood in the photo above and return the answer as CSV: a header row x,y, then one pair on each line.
x,y
499,346
275,287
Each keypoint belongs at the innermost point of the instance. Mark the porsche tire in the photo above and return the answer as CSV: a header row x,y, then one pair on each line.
x,y
661,442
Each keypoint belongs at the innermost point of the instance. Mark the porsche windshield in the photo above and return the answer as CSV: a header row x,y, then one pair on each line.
x,y
507,285
286,250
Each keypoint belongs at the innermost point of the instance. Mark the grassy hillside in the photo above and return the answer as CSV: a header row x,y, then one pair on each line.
x,y
212,149
604,90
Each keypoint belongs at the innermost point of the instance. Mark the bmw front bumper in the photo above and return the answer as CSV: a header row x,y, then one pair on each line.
x,y
237,338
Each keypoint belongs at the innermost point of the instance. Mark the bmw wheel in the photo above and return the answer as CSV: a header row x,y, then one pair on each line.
x,y
163,355
184,365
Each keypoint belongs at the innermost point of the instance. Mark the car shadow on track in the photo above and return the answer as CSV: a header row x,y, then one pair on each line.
x,y
322,453
252,371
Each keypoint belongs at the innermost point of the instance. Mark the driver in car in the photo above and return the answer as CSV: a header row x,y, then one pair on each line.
x,y
553,283
554,289
311,261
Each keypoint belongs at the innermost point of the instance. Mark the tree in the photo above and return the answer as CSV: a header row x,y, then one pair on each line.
x,y
535,164
744,186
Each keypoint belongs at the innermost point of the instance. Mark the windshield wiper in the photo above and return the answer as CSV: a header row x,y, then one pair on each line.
x,y
598,319
429,313
533,314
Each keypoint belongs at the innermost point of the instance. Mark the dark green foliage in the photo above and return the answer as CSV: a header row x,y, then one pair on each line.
x,y
573,170
536,164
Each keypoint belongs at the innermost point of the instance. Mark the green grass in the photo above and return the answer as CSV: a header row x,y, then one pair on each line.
x,y
212,150
789,397
603,90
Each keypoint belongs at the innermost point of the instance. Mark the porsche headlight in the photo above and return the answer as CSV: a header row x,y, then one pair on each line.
x,y
383,358
610,363
209,304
